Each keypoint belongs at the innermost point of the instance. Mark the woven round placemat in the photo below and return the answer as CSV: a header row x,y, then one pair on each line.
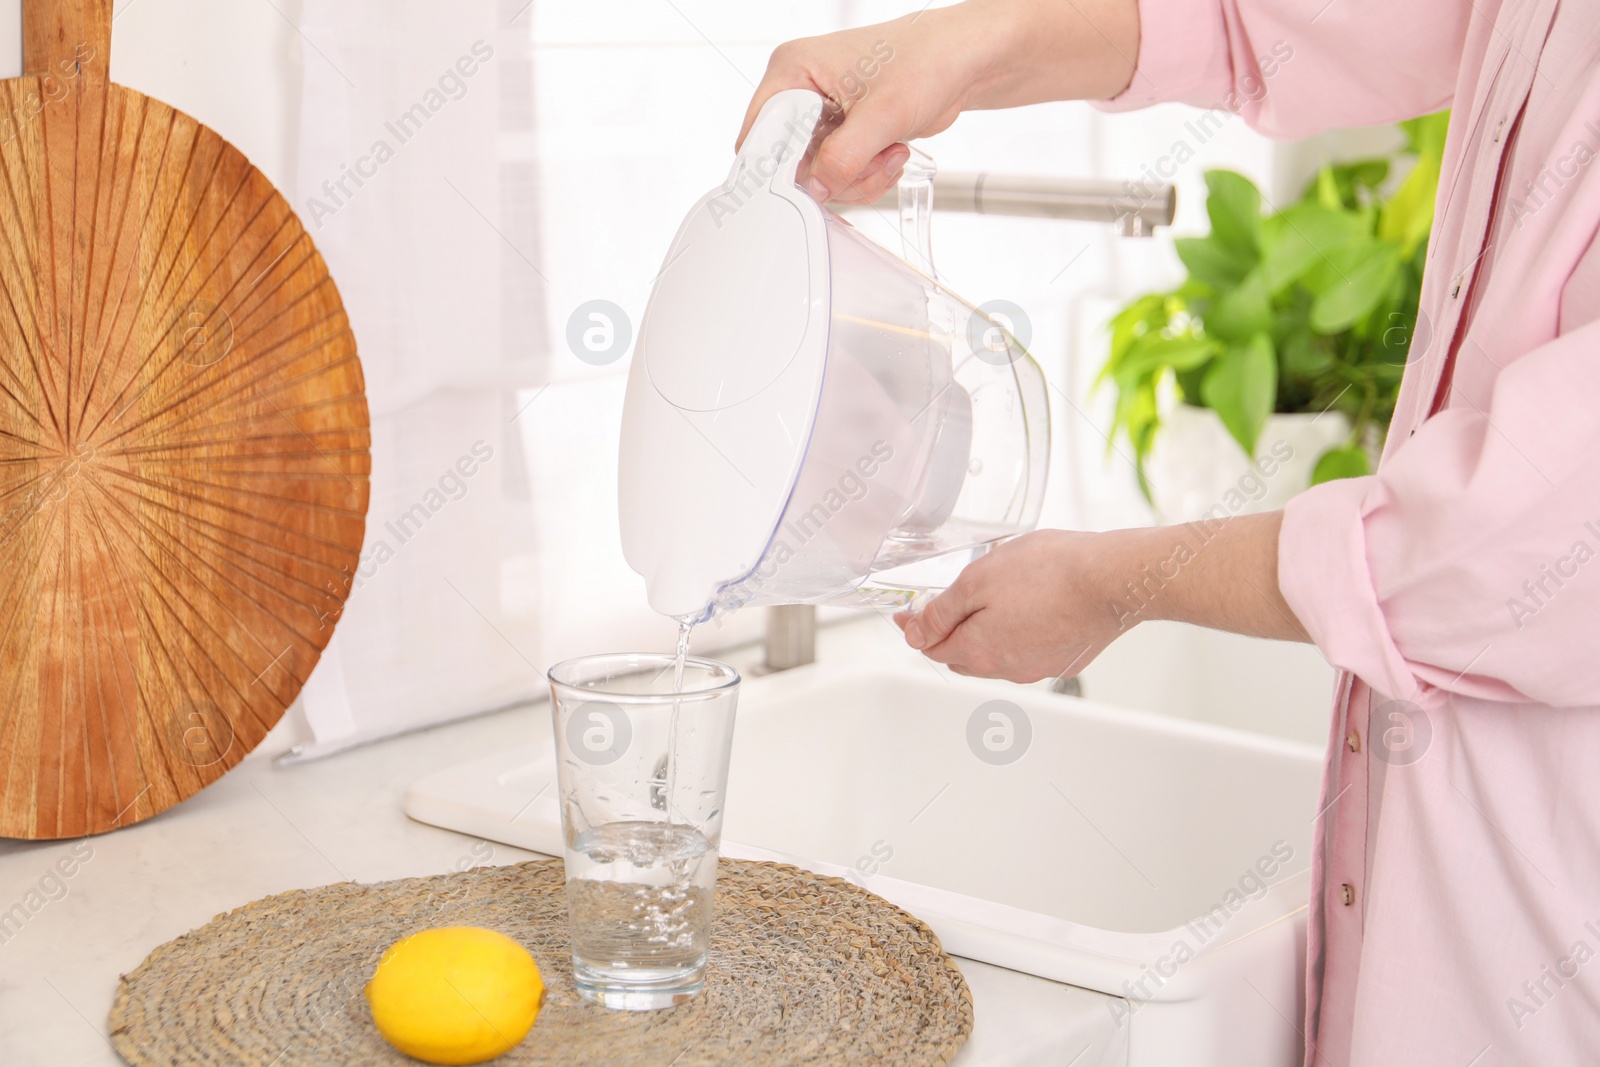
x,y
804,969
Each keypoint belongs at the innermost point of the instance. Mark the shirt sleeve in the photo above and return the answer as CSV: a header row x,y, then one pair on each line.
x,y
1293,70
1470,562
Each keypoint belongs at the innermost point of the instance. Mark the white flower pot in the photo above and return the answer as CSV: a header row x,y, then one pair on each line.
x,y
1197,470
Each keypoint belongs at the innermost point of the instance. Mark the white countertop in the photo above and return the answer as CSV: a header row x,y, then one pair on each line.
x,y
266,828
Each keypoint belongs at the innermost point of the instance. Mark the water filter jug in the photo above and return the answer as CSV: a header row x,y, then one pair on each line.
x,y
806,411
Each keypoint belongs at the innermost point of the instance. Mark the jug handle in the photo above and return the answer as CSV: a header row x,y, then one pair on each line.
x,y
787,125
916,210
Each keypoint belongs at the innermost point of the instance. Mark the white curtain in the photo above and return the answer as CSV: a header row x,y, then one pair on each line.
x,y
405,110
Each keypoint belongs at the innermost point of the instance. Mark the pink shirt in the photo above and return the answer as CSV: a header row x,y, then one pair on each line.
x,y
1457,920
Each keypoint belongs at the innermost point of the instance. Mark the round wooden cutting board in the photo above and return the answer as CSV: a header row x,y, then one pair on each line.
x,y
183,444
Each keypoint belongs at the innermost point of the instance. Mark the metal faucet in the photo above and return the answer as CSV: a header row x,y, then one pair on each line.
x,y
1135,209
791,636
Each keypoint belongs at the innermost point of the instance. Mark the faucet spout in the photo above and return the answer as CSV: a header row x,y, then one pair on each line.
x,y
791,636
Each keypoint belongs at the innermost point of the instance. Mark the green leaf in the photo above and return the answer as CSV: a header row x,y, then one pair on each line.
x,y
1348,462
1138,414
1360,284
1425,134
1241,387
1365,173
1346,186
1302,356
1137,411
1145,309
1326,190
1145,315
1408,216
1153,353
1213,263
1303,237
1188,381
1243,311
1334,266
1234,205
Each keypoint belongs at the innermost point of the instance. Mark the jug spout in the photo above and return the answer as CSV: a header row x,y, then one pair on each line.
x,y
916,211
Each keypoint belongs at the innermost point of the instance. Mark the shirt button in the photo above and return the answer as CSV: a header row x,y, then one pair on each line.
x,y
1353,741
1455,290
1347,894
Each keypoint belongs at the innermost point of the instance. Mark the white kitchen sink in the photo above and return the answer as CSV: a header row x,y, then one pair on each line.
x,y
1161,863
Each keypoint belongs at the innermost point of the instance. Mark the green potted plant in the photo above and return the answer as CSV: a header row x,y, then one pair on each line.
x,y
1301,311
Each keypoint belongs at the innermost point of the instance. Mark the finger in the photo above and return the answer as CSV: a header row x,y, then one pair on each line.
x,y
940,618
900,618
867,189
961,645
844,155
879,177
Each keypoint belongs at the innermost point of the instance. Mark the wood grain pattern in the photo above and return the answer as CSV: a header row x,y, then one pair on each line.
x,y
75,32
183,446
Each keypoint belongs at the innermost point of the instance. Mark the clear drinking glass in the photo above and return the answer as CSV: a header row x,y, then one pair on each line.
x,y
642,766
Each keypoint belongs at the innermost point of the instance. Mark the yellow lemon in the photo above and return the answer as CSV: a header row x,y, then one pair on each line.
x,y
455,995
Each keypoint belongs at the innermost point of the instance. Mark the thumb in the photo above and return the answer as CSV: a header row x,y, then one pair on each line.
x,y
942,615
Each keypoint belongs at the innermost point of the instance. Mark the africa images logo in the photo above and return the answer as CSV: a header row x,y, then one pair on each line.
x,y
599,732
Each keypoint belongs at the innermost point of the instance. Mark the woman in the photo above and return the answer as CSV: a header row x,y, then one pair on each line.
x,y
1456,916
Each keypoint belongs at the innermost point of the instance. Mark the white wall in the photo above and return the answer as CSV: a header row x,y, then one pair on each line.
x,y
229,63
232,64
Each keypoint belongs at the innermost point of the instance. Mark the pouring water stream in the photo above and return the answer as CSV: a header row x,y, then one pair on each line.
x,y
685,627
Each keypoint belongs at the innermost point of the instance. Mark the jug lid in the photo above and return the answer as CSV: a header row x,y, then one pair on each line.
x,y
727,372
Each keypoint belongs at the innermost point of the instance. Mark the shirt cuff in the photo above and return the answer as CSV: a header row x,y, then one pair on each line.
x,y
1183,51
1324,574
